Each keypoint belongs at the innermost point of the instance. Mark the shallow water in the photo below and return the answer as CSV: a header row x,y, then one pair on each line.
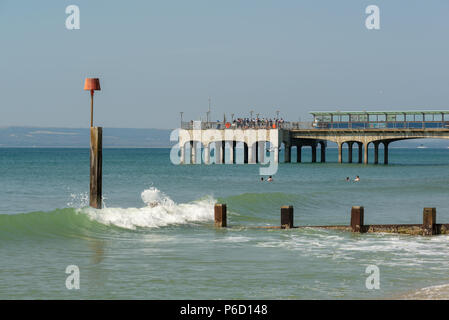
x,y
132,251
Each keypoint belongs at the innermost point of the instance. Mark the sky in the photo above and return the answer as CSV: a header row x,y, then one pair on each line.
x,y
156,59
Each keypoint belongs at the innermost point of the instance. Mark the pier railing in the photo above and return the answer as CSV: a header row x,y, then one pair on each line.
x,y
298,125
189,125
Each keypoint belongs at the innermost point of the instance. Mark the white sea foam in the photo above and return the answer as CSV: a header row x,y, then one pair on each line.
x,y
160,211
439,292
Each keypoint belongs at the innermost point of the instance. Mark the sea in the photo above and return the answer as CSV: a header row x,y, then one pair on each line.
x,y
51,240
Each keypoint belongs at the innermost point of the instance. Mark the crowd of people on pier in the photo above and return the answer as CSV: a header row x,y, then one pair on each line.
x,y
258,123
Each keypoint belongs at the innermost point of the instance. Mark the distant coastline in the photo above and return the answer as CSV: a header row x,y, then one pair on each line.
x,y
51,137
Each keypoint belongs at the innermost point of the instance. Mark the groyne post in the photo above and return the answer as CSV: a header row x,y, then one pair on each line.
x,y
429,221
287,217
220,215
96,148
357,216
96,159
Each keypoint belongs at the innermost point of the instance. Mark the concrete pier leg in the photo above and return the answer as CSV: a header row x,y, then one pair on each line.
x,y
234,151
220,215
340,157
218,152
298,153
206,152
223,152
192,152
365,158
287,217
314,153
262,151
96,164
386,143
231,152
245,153
429,221
323,152
357,217
350,151
288,153
182,155
360,151
256,153
376,152
250,154
276,154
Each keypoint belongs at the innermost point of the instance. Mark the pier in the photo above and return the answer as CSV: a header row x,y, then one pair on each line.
x,y
256,141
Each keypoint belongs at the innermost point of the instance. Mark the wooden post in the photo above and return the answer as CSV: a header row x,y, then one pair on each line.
x,y
96,159
287,217
220,215
357,215
429,220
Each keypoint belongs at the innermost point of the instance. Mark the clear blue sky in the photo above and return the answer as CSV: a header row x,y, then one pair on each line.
x,y
157,58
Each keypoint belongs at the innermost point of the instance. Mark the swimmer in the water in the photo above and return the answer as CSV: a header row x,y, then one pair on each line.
x,y
261,179
357,179
347,179
270,179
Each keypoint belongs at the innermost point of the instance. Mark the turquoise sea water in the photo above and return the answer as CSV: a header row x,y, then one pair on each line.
x,y
129,250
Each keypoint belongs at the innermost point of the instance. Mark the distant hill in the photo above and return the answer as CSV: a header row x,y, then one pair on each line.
x,y
79,137
127,138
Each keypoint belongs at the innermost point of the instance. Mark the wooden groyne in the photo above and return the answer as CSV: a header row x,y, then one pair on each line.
x,y
356,225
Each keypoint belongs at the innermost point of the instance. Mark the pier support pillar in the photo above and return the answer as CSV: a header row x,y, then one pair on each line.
x,y
276,153
365,158
357,217
220,215
429,221
340,158
245,153
314,153
261,151
323,151
298,153
231,152
182,155
192,152
350,143
256,153
360,151
386,143
206,152
287,217
234,152
96,164
376,152
251,154
218,152
287,153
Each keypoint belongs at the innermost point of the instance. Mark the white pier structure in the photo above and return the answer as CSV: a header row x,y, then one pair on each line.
x,y
228,145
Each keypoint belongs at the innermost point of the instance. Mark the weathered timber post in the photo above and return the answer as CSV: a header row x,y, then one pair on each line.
x,y
96,148
287,217
429,220
357,214
220,215
96,159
